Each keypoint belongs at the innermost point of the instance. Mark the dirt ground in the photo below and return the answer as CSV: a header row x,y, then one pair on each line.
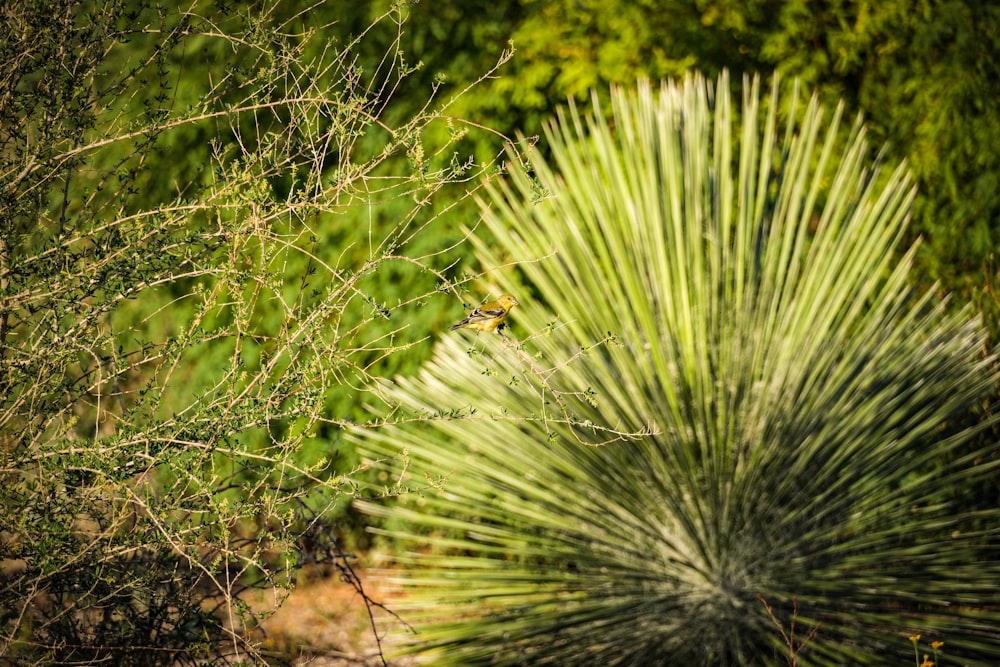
x,y
325,623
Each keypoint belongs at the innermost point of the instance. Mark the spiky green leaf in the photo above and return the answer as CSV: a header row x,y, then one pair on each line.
x,y
716,299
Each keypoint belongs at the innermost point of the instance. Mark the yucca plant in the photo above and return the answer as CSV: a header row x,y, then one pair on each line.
x,y
718,300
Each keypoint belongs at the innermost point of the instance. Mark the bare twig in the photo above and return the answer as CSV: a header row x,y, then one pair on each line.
x,y
794,649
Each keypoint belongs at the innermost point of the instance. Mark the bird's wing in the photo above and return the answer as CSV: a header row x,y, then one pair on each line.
x,y
488,313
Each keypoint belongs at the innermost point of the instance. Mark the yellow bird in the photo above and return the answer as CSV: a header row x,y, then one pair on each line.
x,y
489,316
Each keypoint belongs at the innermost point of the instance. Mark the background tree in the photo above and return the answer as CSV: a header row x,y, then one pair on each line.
x,y
925,75
716,300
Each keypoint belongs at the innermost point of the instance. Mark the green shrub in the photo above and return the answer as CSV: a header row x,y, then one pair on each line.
x,y
720,392
205,222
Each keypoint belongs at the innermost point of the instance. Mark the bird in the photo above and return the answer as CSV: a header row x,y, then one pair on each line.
x,y
489,316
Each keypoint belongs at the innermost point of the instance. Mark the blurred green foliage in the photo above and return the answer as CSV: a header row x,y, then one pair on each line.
x,y
926,76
